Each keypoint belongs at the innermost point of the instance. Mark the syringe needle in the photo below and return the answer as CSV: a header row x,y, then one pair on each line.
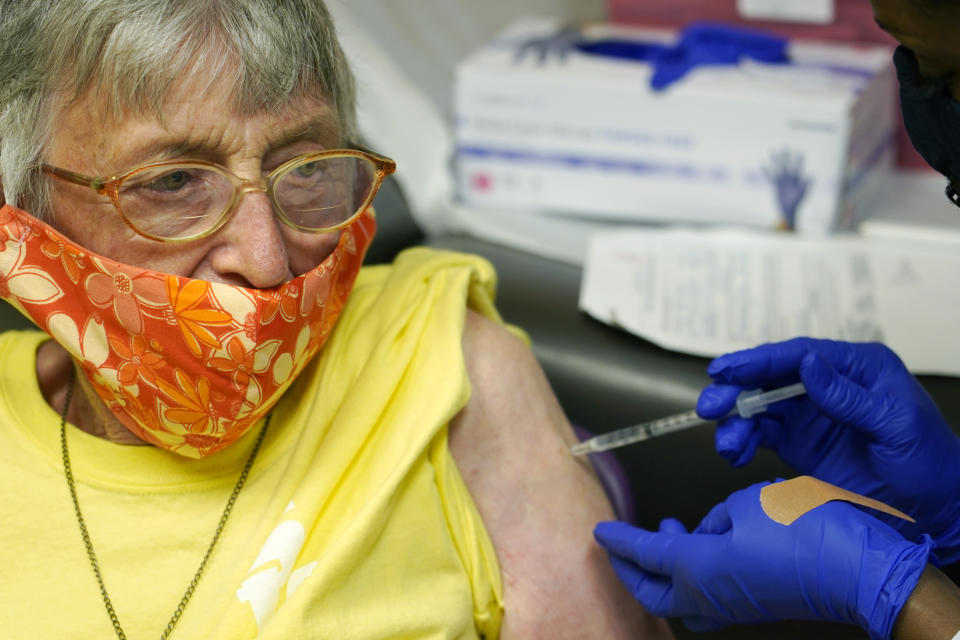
x,y
749,403
582,448
638,433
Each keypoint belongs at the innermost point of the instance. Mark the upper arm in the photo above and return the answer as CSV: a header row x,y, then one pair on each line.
x,y
539,503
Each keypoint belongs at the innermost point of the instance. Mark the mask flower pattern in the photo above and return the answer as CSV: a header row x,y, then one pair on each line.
x,y
316,289
284,301
70,257
245,365
125,291
139,359
21,283
193,408
195,320
185,364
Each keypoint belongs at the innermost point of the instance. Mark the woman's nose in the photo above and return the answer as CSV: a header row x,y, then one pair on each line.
x,y
251,245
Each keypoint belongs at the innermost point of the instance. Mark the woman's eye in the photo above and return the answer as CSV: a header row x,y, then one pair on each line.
x,y
173,181
308,169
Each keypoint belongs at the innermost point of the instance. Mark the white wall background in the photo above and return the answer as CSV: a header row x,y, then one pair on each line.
x,y
403,53
428,37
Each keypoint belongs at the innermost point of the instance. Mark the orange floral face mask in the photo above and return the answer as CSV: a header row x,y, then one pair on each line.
x,y
187,365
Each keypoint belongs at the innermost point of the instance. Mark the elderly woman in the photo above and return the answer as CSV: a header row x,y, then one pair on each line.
x,y
325,451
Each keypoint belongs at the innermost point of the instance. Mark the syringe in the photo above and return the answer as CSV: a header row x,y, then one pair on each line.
x,y
749,403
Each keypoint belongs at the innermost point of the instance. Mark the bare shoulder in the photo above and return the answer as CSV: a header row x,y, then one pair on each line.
x,y
540,504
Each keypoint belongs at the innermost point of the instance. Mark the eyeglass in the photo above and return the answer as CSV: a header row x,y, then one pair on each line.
x,y
181,201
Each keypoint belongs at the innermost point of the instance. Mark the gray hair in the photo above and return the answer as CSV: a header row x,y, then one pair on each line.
x,y
134,51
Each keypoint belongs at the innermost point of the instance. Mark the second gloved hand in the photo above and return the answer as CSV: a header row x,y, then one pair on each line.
x,y
865,424
834,563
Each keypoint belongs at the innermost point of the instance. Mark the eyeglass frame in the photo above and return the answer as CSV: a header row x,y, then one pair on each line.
x,y
109,186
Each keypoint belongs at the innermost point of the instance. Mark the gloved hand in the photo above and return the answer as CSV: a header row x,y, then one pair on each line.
x,y
865,425
834,563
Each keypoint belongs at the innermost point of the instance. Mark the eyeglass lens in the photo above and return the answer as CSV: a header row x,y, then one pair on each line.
x,y
180,201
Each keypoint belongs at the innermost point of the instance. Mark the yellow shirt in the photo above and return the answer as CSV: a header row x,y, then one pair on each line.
x,y
354,522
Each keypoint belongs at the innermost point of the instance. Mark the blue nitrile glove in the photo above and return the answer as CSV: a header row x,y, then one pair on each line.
x,y
700,44
705,44
833,563
865,424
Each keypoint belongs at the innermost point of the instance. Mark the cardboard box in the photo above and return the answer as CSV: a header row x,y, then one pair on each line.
x,y
547,127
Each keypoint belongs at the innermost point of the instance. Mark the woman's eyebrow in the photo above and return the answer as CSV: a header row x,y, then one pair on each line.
x,y
323,130
320,130
168,147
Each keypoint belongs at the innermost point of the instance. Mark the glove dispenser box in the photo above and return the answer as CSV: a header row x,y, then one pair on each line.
x,y
566,121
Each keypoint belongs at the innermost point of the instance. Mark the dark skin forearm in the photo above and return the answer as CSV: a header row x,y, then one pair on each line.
x,y
933,610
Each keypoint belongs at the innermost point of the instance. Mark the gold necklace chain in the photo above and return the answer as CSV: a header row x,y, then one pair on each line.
x,y
86,535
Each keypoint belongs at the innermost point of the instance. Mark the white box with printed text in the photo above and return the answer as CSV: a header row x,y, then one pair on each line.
x,y
556,129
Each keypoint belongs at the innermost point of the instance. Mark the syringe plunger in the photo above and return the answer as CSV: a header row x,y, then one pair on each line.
x,y
750,403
